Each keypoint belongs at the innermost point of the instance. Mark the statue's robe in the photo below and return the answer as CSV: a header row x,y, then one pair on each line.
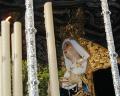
x,y
99,59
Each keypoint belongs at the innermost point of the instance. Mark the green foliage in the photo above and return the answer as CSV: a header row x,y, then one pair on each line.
x,y
43,77
24,75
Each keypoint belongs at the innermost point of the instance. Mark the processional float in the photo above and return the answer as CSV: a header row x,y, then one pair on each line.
x,y
31,57
31,49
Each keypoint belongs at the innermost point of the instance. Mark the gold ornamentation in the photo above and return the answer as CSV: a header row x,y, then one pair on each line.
x,y
99,59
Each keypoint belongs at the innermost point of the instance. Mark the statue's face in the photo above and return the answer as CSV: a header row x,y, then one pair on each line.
x,y
67,50
70,52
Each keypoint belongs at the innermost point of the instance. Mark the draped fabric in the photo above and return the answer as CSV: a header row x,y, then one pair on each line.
x,y
82,52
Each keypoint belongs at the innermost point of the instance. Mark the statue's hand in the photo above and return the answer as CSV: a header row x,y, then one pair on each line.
x,y
79,62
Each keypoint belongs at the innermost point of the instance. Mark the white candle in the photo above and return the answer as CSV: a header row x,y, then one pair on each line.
x,y
5,31
1,66
17,67
54,83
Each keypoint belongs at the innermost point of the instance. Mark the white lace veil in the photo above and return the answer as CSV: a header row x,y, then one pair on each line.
x,y
68,63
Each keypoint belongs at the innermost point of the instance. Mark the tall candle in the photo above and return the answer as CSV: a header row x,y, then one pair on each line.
x,y
1,66
5,31
54,83
17,67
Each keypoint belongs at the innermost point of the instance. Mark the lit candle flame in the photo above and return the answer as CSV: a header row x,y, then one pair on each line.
x,y
8,18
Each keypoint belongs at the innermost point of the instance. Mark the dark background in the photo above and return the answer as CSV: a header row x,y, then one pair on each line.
x,y
63,11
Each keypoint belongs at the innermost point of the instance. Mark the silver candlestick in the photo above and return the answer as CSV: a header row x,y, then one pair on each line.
x,y
31,49
111,46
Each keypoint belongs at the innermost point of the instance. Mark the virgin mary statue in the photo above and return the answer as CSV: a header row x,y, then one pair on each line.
x,y
75,59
